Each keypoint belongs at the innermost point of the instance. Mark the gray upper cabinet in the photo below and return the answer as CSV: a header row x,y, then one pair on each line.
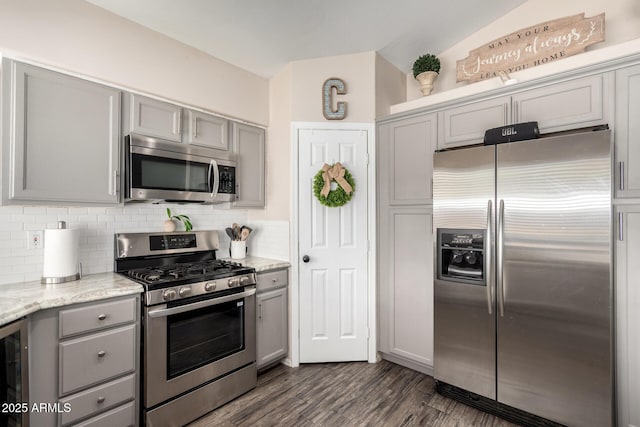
x,y
152,117
627,132
207,130
466,124
249,147
406,147
563,106
60,138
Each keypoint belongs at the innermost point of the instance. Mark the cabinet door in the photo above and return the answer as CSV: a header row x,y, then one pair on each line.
x,y
628,315
563,106
249,147
406,284
61,137
207,130
272,335
466,125
406,160
155,118
627,132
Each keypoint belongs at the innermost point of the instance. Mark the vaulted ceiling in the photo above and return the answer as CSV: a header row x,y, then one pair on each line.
x,y
262,36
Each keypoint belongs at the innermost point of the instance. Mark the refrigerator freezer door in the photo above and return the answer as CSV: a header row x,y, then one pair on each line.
x,y
554,339
464,324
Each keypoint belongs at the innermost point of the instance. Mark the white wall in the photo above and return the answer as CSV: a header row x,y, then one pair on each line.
x,y
391,86
622,23
358,73
77,36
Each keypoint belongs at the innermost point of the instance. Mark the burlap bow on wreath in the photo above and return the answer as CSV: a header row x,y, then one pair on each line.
x,y
322,185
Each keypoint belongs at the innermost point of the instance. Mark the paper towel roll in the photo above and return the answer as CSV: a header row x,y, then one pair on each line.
x,y
61,255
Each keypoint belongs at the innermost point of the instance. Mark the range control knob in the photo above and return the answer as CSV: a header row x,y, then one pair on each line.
x,y
233,282
168,295
244,280
211,286
183,292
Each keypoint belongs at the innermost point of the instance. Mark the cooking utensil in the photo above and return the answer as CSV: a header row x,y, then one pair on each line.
x,y
230,233
244,233
236,231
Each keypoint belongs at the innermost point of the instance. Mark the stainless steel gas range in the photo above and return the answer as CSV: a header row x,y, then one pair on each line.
x,y
198,321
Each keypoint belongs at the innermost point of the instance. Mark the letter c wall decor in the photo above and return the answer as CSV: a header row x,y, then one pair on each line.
x,y
341,89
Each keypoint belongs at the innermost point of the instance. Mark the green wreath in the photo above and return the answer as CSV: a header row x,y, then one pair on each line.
x,y
337,197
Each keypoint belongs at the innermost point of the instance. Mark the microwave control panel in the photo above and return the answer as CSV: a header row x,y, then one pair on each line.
x,y
227,180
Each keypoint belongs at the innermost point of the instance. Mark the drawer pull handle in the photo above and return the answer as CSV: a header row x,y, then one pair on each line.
x,y
102,353
274,280
102,317
101,400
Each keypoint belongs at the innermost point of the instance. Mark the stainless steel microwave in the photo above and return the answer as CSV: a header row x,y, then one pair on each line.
x,y
159,170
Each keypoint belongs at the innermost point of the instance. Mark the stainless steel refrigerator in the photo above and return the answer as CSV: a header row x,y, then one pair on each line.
x,y
523,289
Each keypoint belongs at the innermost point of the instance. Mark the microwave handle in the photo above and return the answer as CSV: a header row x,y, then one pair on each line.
x,y
216,178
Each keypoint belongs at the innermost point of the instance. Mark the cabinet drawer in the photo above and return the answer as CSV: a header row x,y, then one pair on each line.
x,y
88,360
98,399
272,280
121,416
97,316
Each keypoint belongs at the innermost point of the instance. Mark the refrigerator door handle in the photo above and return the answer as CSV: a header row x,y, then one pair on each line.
x,y
499,256
487,258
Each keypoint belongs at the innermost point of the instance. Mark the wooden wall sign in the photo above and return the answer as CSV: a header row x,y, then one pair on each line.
x,y
327,110
530,47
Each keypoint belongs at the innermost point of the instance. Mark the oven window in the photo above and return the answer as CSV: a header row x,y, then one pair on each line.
x,y
162,173
196,338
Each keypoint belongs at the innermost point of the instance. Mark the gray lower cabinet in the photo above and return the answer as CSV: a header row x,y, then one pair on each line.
x,y
60,138
627,132
249,147
85,359
627,253
272,317
406,287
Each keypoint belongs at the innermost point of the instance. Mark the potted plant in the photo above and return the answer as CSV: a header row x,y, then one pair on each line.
x,y
425,70
170,224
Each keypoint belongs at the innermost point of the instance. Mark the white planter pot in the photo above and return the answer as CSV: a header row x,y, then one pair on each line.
x,y
169,225
426,81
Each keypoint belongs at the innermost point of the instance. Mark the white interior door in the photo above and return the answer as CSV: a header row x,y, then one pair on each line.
x,y
333,283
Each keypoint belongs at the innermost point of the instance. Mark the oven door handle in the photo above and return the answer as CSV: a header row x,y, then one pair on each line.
x,y
164,312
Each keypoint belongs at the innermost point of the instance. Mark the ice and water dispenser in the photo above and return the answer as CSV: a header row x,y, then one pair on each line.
x,y
461,256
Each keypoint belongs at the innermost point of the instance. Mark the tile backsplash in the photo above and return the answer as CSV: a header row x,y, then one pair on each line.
x,y
99,224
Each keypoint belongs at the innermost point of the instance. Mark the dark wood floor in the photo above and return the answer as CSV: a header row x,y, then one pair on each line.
x,y
346,394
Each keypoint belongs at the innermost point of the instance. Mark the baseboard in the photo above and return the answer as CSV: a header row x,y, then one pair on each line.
x,y
399,360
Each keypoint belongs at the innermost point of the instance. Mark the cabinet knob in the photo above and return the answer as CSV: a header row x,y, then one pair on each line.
x,y
305,258
102,316
100,400
274,280
102,353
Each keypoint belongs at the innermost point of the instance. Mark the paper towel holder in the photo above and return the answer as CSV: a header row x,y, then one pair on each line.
x,y
56,280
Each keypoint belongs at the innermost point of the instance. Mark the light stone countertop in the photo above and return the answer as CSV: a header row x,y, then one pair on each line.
x,y
20,299
261,264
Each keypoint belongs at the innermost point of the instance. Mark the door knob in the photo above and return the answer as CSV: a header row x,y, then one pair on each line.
x,y
305,258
